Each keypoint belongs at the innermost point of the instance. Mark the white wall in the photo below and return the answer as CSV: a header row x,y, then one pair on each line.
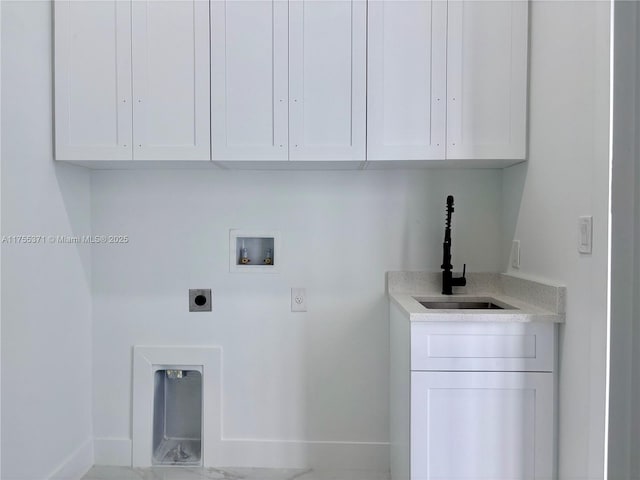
x,y
623,421
320,376
46,297
567,176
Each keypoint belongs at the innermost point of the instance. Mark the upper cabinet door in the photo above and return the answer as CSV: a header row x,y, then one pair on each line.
x,y
171,79
487,58
407,80
249,84
92,80
327,79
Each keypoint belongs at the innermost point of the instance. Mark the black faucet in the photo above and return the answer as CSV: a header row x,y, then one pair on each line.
x,y
448,280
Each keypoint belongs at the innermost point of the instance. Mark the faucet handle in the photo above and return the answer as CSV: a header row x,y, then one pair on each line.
x,y
460,281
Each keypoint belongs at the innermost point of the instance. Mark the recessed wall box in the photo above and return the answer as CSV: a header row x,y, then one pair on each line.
x,y
177,416
254,251
199,299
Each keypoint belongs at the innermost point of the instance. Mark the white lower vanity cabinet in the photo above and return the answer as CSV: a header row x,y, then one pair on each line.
x,y
472,400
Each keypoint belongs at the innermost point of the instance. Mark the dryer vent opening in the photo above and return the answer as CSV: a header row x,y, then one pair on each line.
x,y
177,417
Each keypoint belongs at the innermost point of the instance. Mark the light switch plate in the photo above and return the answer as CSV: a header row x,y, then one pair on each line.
x,y
585,234
515,254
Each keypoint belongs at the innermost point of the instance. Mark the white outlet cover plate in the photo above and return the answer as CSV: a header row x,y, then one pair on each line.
x,y
298,300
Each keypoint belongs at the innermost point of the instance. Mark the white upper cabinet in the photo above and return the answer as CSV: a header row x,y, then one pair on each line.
x,y
407,80
301,80
170,79
249,84
288,79
447,80
93,80
327,79
487,79
132,80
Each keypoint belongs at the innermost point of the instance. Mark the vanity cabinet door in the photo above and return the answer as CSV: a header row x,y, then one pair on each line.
x,y
487,58
92,66
481,425
327,79
170,45
249,80
406,115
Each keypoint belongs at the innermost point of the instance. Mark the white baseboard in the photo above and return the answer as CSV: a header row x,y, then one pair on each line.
x,y
372,456
269,454
77,464
112,451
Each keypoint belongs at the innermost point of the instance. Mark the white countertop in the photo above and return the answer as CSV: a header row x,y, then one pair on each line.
x,y
532,301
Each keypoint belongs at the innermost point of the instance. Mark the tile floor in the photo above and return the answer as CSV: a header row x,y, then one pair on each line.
x,y
194,473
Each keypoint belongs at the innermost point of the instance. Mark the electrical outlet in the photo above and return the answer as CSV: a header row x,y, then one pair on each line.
x,y
515,254
298,300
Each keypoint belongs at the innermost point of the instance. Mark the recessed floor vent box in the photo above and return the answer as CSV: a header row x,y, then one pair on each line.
x,y
177,417
252,251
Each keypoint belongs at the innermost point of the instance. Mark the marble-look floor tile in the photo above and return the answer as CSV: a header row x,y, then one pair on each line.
x,y
327,474
228,473
256,473
111,473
